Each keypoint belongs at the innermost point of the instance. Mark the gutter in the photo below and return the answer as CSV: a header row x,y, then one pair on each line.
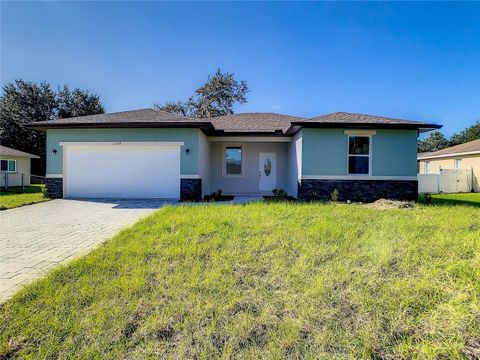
x,y
206,126
354,125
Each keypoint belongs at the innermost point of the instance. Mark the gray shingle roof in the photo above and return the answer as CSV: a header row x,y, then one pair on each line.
x,y
235,123
471,146
124,117
6,151
363,119
253,122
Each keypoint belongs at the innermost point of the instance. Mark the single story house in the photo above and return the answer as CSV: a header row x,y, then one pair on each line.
x,y
463,156
150,153
15,166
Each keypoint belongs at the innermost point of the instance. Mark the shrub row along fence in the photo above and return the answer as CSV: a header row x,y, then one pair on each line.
x,y
447,181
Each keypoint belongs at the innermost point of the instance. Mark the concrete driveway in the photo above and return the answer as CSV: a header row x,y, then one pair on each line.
x,y
35,238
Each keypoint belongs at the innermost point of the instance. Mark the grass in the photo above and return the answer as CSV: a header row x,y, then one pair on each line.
x,y
15,196
278,280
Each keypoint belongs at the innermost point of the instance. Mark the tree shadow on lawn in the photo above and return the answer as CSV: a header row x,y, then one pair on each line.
x,y
451,201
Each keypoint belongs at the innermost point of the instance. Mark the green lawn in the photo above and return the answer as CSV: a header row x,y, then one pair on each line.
x,y
278,280
470,199
15,196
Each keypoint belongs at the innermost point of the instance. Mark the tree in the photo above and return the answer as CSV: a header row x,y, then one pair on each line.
x,y
24,102
469,134
77,103
179,108
214,98
433,142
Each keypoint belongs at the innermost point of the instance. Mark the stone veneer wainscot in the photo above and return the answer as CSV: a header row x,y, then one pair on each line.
x,y
54,188
191,189
358,190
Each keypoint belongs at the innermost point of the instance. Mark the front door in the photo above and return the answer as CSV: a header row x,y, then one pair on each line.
x,y
267,171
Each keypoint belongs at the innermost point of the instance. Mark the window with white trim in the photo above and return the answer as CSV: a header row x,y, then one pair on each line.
x,y
233,161
359,155
427,167
458,163
9,165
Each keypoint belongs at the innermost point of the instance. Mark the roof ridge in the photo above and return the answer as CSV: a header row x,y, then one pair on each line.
x,y
259,113
116,112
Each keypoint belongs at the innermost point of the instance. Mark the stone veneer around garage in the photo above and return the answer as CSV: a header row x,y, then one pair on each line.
x,y
191,189
358,190
54,188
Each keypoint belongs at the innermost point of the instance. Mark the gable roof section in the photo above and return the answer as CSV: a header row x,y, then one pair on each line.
x,y
6,151
471,147
346,119
134,118
254,122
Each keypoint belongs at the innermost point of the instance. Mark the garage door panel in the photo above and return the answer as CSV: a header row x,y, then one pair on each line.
x,y
123,171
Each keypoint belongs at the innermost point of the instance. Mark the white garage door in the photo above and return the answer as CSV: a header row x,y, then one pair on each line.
x,y
122,170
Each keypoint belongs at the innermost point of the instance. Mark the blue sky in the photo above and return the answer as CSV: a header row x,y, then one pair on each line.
x,y
419,61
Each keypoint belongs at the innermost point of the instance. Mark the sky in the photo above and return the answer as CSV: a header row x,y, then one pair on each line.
x,y
417,61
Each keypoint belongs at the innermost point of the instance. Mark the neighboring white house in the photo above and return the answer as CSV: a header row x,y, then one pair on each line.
x,y
15,166
462,160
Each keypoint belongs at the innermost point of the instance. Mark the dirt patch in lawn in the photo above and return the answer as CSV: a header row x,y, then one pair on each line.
x,y
391,204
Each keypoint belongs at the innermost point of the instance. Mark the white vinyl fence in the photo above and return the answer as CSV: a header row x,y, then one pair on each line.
x,y
447,181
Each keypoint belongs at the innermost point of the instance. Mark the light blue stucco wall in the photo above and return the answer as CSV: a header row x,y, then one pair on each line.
x,y
394,153
188,161
325,152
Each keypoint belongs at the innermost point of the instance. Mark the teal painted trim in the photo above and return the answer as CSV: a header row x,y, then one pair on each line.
x,y
190,137
394,153
325,152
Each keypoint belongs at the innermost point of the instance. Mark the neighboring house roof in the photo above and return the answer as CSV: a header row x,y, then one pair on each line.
x,y
6,151
419,155
471,147
235,123
254,122
346,119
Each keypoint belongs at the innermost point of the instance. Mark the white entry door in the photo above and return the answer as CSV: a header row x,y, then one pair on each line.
x,y
122,170
268,171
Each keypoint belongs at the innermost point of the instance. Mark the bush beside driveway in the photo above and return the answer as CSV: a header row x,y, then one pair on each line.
x,y
263,281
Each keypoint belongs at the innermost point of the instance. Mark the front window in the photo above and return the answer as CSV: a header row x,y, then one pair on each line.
x,y
458,163
359,155
233,160
9,165
427,167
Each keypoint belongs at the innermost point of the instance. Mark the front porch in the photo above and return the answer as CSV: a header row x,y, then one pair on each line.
x,y
246,166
